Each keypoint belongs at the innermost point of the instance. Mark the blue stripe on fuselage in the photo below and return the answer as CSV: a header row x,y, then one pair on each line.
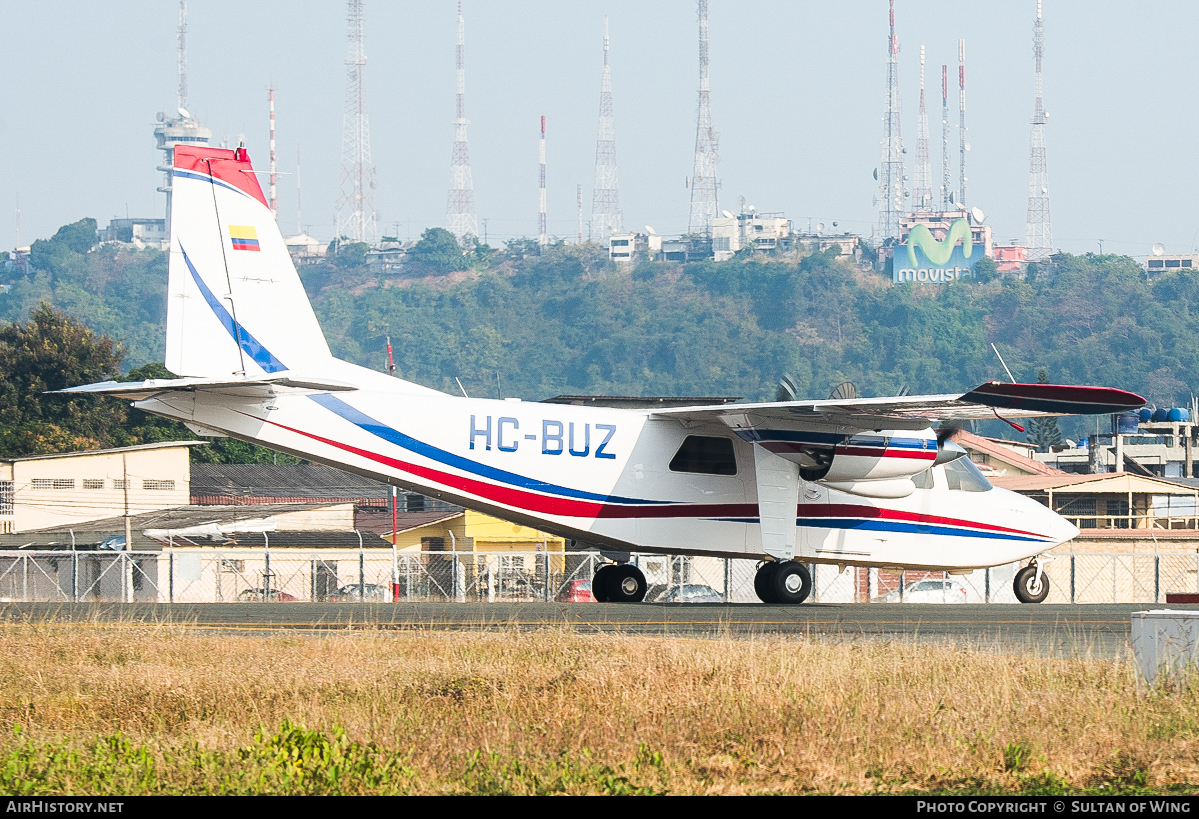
x,y
394,436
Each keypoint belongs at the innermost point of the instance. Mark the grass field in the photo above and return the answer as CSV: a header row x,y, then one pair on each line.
x,y
141,709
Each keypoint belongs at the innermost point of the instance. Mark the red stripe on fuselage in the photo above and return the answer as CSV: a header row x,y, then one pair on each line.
x,y
568,507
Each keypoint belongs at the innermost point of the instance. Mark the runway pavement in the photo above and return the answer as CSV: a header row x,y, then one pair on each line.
x,y
1061,630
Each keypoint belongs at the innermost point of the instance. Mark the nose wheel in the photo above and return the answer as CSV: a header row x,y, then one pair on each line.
x,y
618,583
785,582
1032,584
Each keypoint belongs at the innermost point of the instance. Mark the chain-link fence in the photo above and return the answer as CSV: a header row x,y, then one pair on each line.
x,y
374,575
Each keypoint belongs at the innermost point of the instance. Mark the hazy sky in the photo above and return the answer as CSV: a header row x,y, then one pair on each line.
x,y
797,95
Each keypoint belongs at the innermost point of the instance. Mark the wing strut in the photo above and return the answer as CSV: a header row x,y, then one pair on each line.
x,y
778,500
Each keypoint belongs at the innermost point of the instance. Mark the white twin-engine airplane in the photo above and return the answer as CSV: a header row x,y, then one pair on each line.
x,y
862,482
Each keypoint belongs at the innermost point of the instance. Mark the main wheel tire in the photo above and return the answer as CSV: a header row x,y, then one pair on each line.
x,y
1026,586
599,583
625,584
790,583
762,582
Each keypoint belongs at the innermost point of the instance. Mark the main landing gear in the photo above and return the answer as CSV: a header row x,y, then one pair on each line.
x,y
1032,584
783,582
618,583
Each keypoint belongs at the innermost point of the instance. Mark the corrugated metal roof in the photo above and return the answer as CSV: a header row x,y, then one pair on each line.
x,y
283,480
1103,482
181,517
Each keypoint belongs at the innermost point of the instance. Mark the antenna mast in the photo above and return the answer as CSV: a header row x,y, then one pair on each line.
x,y
461,205
299,219
274,166
892,196
924,167
605,198
182,38
1038,236
707,141
542,237
946,179
963,145
355,209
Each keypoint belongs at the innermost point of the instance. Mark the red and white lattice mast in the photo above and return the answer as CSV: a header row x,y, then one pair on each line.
x,y
542,234
274,167
460,209
923,182
892,195
605,197
1038,236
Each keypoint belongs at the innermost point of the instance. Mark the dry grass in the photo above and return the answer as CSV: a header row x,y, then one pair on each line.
x,y
553,711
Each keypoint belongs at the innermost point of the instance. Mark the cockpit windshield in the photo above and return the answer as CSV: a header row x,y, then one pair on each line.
x,y
963,475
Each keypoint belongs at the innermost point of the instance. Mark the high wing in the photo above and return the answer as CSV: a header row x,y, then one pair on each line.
x,y
917,411
259,387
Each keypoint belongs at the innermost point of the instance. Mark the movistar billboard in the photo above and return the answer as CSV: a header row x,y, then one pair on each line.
x,y
924,259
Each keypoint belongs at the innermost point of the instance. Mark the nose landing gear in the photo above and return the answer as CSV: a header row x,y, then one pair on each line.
x,y
1032,584
783,582
618,583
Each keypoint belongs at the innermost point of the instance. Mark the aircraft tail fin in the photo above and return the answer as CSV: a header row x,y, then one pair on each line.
x,y
235,302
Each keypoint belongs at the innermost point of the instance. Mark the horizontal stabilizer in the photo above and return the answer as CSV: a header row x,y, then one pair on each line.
x,y
247,387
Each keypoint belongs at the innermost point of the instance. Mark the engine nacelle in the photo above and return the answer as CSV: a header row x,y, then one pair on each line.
x,y
853,459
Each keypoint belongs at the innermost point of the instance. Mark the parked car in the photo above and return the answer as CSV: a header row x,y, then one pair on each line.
x,y
691,593
929,590
371,593
576,591
260,595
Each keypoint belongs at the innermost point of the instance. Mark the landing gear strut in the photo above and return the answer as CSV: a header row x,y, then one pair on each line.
x,y
783,582
1032,584
618,583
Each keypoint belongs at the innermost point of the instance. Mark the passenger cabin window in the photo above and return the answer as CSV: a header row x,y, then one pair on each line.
x,y
962,474
705,455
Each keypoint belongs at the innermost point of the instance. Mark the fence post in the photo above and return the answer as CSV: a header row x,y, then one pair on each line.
x,y
1157,578
546,556
24,578
266,574
902,583
171,568
987,585
361,569
728,580
1073,597
74,569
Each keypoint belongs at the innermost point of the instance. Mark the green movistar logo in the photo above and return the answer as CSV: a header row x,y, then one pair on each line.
x,y
938,253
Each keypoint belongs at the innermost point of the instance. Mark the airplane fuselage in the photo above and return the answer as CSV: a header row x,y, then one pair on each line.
x,y
621,479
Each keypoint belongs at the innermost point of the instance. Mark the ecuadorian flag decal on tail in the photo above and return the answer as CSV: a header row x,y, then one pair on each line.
x,y
244,237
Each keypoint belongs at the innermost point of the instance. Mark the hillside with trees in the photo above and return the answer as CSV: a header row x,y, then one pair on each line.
x,y
529,324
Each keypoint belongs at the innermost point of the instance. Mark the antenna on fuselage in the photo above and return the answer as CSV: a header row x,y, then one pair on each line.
x,y
1001,361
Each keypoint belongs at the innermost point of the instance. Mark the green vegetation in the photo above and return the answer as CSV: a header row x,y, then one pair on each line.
x,y
567,321
160,709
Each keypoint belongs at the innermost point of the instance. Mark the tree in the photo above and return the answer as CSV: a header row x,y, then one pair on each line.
x,y
53,351
1044,432
438,252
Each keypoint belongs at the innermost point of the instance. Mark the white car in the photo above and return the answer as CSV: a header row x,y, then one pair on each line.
x,y
929,590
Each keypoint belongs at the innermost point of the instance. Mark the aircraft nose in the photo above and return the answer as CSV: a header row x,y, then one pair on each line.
x,y
1048,523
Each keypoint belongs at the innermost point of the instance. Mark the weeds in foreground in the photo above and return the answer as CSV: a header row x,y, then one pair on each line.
x,y
158,711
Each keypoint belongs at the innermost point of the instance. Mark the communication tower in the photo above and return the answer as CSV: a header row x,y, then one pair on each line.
x,y
892,195
270,93
946,178
605,197
923,184
460,208
707,142
181,127
354,213
1038,236
542,235
579,193
963,145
